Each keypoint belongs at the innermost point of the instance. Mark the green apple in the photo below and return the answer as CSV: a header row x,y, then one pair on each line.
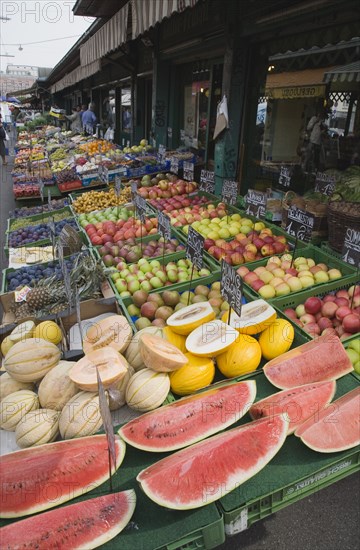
x,y
355,345
121,285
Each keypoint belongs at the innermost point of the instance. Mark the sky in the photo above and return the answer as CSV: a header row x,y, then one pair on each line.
x,y
38,21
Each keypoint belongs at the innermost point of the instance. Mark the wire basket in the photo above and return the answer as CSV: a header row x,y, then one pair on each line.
x,y
341,216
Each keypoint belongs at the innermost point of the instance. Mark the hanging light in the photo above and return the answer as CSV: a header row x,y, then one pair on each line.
x,y
20,48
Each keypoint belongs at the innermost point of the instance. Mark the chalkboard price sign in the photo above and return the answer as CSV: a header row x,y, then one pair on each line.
x,y
255,203
195,247
207,181
182,136
164,226
161,153
285,176
174,165
140,204
49,200
351,248
41,189
231,287
103,174
300,224
229,192
117,185
169,132
188,171
133,187
324,184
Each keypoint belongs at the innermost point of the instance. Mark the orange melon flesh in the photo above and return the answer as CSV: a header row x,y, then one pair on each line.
x,y
320,360
160,355
111,365
335,428
113,331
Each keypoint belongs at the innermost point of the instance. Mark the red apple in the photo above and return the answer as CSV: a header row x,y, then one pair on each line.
x,y
291,313
342,312
341,302
312,329
312,305
329,309
242,271
324,322
257,284
351,323
307,318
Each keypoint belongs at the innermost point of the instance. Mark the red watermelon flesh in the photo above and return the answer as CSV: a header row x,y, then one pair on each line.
x,y
38,478
190,419
335,428
297,404
322,359
84,525
206,471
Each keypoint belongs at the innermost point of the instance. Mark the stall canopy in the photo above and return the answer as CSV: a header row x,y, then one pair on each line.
x,y
308,83
147,14
75,76
345,77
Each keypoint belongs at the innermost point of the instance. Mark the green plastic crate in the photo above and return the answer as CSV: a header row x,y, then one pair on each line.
x,y
294,473
294,299
346,345
327,248
350,274
41,218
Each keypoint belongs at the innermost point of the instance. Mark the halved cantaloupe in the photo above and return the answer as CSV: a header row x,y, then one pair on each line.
x,y
211,339
22,332
113,331
160,355
255,317
111,365
189,318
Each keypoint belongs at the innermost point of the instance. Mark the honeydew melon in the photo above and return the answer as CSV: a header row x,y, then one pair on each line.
x,y
190,317
22,332
211,339
255,317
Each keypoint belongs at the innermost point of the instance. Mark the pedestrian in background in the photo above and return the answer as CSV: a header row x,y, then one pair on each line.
x,y
3,138
75,119
89,119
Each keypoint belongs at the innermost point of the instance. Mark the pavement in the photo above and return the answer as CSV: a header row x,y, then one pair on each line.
x,y
327,520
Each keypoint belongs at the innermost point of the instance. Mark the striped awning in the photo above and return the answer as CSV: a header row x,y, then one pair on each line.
x,y
345,73
80,73
146,14
108,38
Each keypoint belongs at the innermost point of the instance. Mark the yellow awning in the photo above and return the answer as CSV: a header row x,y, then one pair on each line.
x,y
308,83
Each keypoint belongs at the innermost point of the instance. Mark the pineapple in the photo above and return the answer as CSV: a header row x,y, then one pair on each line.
x,y
37,298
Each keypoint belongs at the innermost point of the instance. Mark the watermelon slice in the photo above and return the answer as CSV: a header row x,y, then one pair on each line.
x,y
39,478
321,359
335,428
190,419
298,404
87,524
206,471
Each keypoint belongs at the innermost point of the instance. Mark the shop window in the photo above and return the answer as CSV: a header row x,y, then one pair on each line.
x,y
196,109
126,113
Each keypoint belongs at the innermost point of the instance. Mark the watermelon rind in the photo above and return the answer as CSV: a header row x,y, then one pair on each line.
x,y
15,463
325,432
202,473
88,524
301,401
180,417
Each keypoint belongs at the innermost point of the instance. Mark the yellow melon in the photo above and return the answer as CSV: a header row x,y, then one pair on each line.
x,y
195,375
242,357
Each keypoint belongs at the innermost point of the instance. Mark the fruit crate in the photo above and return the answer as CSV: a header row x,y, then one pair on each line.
x,y
44,217
349,274
346,343
294,473
327,248
295,299
211,199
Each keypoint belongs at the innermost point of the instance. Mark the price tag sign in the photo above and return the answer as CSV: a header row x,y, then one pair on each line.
x,y
161,153
195,247
231,287
107,423
351,247
324,183
133,186
174,165
103,174
229,192
255,203
285,177
188,171
52,231
128,143
49,200
117,185
164,226
300,224
182,136
41,189
78,313
207,181
140,204
169,132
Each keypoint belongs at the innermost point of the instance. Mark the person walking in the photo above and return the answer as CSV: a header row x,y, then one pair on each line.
x,y
318,129
75,119
89,119
2,143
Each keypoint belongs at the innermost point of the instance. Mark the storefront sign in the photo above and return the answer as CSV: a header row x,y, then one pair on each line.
x,y
300,224
174,165
188,171
195,247
295,92
351,248
285,176
164,226
324,183
231,287
255,203
229,192
207,181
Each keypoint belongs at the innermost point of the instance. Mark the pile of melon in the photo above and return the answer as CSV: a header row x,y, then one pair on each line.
x,y
43,398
